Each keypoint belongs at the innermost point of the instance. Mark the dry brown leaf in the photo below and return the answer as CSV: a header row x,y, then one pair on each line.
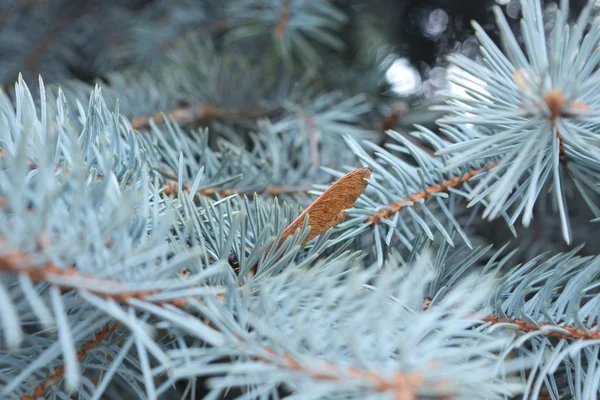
x,y
327,210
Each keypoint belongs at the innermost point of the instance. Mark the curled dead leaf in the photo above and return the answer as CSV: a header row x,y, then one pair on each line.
x,y
327,211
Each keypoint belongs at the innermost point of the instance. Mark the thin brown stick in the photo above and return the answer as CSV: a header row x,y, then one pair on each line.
x,y
437,188
60,371
284,18
170,189
17,262
183,116
527,327
199,113
404,386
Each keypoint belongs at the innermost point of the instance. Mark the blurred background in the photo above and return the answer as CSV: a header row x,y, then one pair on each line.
x,y
87,39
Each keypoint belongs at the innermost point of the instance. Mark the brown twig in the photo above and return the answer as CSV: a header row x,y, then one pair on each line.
x,y
183,116
200,113
437,188
527,327
17,262
284,18
60,371
404,386
170,189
